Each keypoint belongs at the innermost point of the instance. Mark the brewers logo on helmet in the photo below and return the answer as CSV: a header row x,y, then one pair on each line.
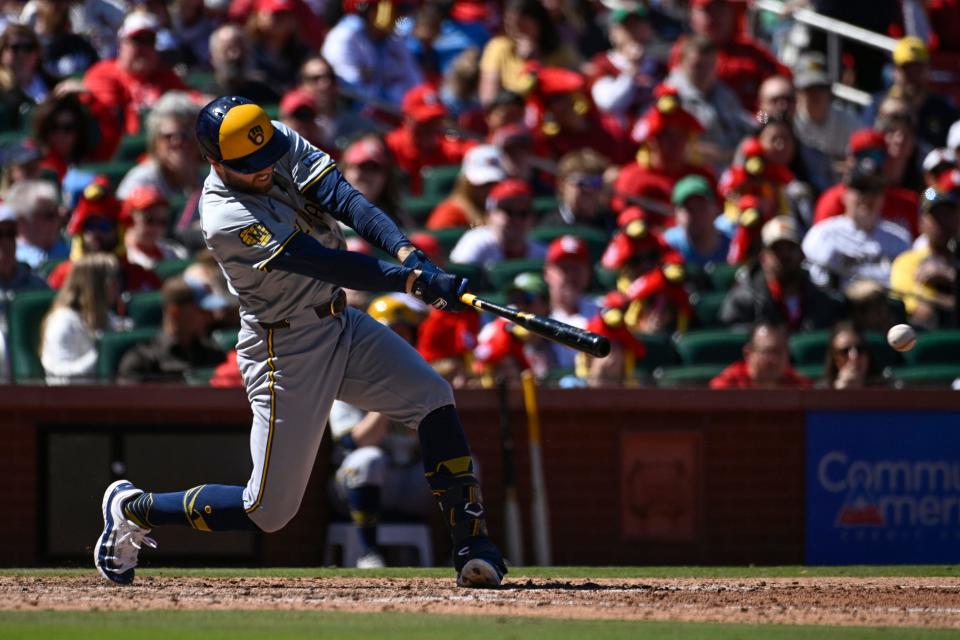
x,y
237,133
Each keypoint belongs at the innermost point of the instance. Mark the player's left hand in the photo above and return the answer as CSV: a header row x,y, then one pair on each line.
x,y
440,289
417,259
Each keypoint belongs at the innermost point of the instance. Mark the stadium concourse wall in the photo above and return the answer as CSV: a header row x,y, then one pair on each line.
x,y
634,476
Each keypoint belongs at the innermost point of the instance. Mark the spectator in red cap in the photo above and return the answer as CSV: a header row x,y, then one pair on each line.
x,y
123,88
658,302
664,133
618,368
500,352
94,226
368,166
482,169
936,164
274,34
569,121
757,175
233,71
635,249
765,364
582,194
429,244
145,215
298,110
741,62
567,272
623,78
510,216
368,56
421,141
446,340
777,288
530,39
898,205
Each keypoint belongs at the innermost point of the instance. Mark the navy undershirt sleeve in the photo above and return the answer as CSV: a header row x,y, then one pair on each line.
x,y
305,256
346,204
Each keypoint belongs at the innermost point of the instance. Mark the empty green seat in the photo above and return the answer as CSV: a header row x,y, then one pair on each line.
x,y
881,352
935,347
596,239
811,371
418,208
659,352
132,146
706,309
503,273
226,338
711,346
146,308
809,347
172,267
25,313
687,376
438,181
542,205
114,344
722,276
926,375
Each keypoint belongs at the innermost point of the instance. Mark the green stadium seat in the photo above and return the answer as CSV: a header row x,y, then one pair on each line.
x,y
114,344
273,110
711,346
438,181
200,80
688,376
809,347
596,239
926,375
45,269
473,273
881,352
146,309
811,371
114,171
503,273
660,353
706,309
418,208
25,313
935,347
132,146
543,205
172,267
606,278
226,338
722,276
448,238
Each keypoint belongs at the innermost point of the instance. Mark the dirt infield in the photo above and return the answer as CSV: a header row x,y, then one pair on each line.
x,y
914,602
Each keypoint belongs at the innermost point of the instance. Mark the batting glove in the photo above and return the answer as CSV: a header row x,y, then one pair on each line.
x,y
417,259
440,289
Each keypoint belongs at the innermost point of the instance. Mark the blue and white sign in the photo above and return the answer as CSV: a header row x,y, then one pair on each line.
x,y
882,487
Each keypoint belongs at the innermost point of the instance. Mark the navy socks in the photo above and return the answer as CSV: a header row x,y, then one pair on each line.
x,y
209,507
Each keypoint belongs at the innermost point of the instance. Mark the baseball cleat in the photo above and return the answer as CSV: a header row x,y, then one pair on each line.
x,y
371,560
115,554
479,564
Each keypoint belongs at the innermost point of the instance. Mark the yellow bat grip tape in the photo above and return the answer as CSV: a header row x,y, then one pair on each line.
x,y
467,298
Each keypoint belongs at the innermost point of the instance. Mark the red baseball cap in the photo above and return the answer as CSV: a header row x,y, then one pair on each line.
x,y
553,81
273,6
96,201
139,199
568,248
866,139
508,190
429,245
422,103
664,113
297,99
609,323
366,150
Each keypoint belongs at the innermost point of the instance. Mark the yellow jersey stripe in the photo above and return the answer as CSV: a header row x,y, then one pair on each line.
x,y
319,175
273,419
263,265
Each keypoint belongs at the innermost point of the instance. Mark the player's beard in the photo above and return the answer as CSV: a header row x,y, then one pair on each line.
x,y
248,185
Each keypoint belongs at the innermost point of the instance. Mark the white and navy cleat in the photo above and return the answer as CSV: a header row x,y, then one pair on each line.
x,y
477,573
117,550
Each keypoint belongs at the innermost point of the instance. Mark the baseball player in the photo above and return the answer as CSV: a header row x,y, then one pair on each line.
x,y
269,211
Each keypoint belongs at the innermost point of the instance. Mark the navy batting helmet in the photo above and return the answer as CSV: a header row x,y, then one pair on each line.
x,y
237,133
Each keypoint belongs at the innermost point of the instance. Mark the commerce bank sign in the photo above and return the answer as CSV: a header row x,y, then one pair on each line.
x,y
882,487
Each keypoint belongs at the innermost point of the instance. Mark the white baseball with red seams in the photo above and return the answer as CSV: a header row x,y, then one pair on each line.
x,y
901,337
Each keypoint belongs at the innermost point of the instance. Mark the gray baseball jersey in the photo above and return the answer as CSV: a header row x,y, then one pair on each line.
x,y
293,374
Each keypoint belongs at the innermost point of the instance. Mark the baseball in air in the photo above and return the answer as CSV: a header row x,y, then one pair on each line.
x,y
902,337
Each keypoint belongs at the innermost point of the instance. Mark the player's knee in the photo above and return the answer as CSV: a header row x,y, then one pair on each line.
x,y
273,517
437,391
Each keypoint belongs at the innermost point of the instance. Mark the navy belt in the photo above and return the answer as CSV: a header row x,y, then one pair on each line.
x,y
336,305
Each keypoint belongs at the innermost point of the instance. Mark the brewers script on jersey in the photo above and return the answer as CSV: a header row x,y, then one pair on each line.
x,y
300,347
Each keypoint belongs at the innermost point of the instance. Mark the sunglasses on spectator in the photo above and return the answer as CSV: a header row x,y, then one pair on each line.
x,y
783,97
171,136
304,114
22,47
845,351
64,125
145,39
318,77
8,234
46,215
517,212
594,183
98,224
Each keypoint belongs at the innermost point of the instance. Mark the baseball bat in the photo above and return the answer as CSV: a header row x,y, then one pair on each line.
x,y
539,513
560,332
511,506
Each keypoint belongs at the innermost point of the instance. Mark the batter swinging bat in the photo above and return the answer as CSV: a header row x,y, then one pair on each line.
x,y
565,334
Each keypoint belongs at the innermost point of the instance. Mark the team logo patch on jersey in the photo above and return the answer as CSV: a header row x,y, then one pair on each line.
x,y
312,158
255,235
256,135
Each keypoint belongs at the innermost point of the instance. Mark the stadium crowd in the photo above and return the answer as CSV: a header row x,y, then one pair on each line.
x,y
677,175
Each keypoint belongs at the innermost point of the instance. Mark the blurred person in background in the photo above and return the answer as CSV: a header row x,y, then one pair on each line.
x,y
516,144
530,39
446,340
581,192
458,91
193,25
81,312
932,113
696,236
173,164
849,364
482,169
510,216
183,342
903,163
635,248
777,289
926,277
274,35
369,167
369,58
936,164
568,271
623,78
65,132
507,109
742,63
36,204
858,244
298,110
870,308
145,217
19,161
765,364
122,89
65,52
421,140
23,80
619,367
715,106
233,70
778,102
336,122
95,20
819,121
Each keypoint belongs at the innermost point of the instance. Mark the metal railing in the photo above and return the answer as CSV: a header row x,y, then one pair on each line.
x,y
835,30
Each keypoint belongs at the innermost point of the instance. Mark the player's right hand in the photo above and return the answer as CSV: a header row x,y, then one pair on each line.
x,y
440,289
417,259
